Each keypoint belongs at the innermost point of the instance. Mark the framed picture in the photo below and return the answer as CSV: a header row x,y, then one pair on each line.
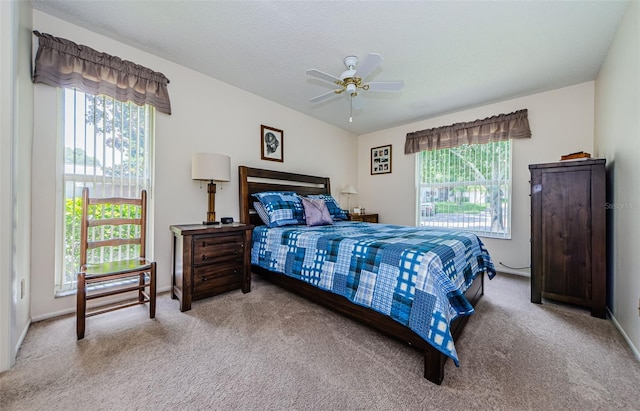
x,y
271,144
381,160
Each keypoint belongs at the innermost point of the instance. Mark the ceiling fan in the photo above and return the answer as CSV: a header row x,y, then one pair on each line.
x,y
352,80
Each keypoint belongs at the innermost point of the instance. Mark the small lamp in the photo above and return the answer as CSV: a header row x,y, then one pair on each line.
x,y
211,167
348,190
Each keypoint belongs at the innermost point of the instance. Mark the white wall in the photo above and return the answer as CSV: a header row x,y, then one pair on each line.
x,y
208,116
16,108
561,122
617,138
7,356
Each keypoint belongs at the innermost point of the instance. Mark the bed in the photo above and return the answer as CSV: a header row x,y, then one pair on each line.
x,y
443,271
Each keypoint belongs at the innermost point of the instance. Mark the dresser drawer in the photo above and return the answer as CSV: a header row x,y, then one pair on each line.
x,y
221,277
217,249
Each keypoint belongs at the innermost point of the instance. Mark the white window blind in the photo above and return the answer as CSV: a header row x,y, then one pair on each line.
x,y
107,147
467,187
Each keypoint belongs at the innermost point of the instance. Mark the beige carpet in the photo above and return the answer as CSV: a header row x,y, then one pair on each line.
x,y
272,350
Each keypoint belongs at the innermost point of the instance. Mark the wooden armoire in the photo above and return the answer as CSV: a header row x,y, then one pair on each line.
x,y
568,233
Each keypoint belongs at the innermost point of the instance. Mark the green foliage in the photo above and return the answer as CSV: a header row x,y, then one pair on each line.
x,y
123,127
476,162
72,216
73,220
460,208
78,156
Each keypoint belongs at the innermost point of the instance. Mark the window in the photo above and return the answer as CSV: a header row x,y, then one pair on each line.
x,y
467,187
107,147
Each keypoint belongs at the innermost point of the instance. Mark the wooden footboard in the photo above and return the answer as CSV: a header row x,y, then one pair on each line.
x,y
434,360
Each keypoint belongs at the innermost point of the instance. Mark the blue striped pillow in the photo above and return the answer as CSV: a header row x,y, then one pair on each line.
x,y
282,207
337,213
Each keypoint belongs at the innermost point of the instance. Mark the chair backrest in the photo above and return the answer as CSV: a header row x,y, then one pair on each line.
x,y
111,215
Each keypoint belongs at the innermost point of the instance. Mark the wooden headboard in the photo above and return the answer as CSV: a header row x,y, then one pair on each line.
x,y
255,180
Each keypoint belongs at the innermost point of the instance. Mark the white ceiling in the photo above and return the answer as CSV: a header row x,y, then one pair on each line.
x,y
451,55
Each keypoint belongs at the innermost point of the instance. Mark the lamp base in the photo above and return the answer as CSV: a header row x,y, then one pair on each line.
x,y
211,213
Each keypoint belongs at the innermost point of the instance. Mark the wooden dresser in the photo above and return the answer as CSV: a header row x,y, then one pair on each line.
x,y
568,234
209,260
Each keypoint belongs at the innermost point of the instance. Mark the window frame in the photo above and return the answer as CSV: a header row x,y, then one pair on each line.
x,y
506,235
62,287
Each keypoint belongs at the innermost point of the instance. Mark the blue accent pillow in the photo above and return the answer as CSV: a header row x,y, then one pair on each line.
x,y
282,207
337,213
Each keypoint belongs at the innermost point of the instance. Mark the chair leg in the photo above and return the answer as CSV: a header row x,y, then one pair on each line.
x,y
81,306
152,291
141,282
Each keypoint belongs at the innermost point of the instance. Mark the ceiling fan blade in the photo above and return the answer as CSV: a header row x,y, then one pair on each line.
x,y
324,96
385,85
322,76
367,65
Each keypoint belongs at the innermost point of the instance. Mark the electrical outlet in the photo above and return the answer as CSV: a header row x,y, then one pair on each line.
x,y
22,289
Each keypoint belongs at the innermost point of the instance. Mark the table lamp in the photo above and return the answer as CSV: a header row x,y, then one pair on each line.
x,y
348,190
211,167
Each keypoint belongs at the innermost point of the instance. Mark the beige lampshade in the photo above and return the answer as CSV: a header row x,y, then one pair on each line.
x,y
349,189
210,167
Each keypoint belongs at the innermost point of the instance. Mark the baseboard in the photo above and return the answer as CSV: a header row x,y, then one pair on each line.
x,y
635,351
22,336
72,310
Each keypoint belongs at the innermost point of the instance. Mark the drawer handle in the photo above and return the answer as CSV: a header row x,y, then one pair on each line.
x,y
204,244
204,257
204,279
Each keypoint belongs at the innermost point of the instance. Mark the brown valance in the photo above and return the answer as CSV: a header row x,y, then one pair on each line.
x,y
490,129
63,63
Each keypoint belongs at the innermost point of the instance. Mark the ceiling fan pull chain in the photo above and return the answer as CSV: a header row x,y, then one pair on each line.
x,y
351,110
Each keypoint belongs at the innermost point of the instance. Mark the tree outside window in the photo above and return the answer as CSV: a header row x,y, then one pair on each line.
x,y
467,187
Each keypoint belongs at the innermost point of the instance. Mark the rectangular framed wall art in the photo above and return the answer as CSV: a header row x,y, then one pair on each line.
x,y
381,160
271,144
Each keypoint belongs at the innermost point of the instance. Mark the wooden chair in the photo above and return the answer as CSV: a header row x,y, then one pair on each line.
x,y
118,226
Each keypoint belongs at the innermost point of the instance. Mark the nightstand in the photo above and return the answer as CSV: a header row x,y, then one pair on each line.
x,y
210,260
367,218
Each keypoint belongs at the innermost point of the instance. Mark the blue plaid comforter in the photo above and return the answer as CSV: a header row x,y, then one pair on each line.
x,y
417,276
